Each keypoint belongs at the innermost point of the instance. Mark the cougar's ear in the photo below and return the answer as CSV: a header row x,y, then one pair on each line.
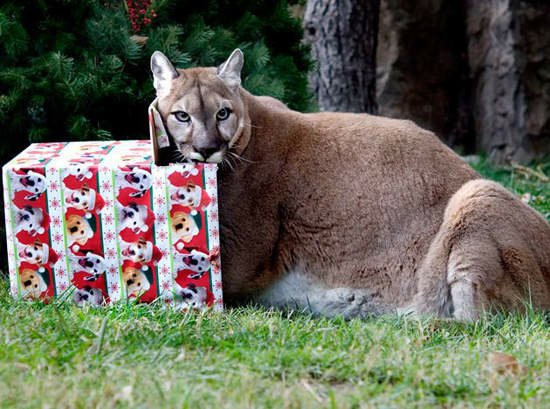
x,y
230,70
163,73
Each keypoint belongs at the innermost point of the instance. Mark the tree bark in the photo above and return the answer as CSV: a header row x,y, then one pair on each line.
x,y
343,37
499,106
422,67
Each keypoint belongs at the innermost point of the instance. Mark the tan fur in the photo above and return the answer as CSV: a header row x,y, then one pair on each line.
x,y
375,208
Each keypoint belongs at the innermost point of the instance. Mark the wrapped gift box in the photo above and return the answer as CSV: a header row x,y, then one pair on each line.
x,y
99,222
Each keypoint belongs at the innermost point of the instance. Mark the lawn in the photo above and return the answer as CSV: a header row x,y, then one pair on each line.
x,y
61,356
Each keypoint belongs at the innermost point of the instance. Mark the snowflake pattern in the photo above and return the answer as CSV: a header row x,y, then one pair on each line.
x,y
105,186
160,201
165,270
62,287
111,253
113,270
166,286
214,216
109,220
159,183
114,288
162,235
60,272
56,221
54,186
55,203
109,235
161,218
52,171
215,233
218,285
57,238
211,182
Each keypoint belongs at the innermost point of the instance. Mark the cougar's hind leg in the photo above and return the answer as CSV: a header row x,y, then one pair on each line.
x,y
484,256
457,276
473,272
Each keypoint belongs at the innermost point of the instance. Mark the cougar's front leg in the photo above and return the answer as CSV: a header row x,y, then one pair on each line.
x,y
296,291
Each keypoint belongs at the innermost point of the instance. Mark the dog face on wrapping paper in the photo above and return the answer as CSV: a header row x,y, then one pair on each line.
x,y
36,253
139,179
32,284
91,263
189,195
184,226
29,219
31,182
190,297
88,295
134,217
136,282
83,198
198,262
138,252
79,229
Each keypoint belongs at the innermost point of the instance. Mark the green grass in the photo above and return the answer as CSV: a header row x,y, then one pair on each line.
x,y
61,356
521,183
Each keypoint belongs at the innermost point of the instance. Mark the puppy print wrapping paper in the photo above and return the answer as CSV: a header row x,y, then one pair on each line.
x,y
99,222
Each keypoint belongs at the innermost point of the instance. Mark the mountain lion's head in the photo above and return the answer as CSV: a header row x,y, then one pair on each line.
x,y
202,108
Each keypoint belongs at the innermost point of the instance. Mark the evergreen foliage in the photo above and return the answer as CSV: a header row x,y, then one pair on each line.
x,y
71,70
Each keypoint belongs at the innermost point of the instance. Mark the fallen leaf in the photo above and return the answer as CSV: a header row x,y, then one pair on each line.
x,y
503,367
504,364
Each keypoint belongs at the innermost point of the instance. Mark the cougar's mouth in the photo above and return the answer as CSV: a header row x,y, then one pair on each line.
x,y
209,155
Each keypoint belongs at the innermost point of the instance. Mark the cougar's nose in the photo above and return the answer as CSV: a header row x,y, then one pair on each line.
x,y
207,152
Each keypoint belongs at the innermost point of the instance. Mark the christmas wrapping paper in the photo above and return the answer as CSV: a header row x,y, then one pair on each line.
x,y
99,222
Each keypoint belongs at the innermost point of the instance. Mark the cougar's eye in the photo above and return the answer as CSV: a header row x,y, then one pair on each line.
x,y
223,114
182,116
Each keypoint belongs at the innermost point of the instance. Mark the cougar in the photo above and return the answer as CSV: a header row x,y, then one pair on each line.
x,y
350,214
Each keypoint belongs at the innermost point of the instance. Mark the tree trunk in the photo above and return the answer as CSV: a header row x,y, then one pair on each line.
x,y
499,99
422,67
343,37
